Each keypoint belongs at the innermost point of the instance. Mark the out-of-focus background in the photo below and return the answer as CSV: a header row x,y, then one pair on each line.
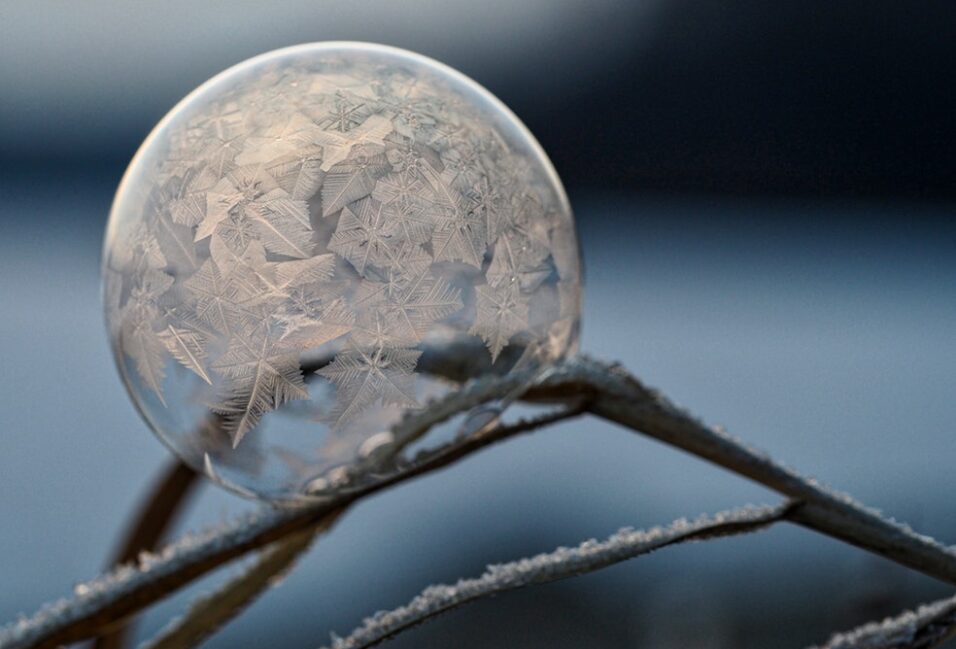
x,y
765,196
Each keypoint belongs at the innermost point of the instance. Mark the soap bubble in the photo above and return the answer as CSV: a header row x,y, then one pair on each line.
x,y
320,240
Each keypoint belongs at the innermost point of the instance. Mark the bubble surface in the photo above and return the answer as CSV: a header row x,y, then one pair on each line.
x,y
319,240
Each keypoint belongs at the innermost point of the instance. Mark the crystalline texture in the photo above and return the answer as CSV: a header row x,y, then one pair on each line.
x,y
321,239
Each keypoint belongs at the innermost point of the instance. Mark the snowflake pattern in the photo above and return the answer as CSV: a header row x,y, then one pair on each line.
x,y
341,204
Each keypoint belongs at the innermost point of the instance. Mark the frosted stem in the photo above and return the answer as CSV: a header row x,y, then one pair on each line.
x,y
928,626
562,563
604,390
617,396
157,513
210,612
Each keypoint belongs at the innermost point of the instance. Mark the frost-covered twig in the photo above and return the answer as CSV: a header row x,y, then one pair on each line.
x,y
210,612
617,396
147,529
126,590
928,626
606,391
98,604
561,563
384,459
430,459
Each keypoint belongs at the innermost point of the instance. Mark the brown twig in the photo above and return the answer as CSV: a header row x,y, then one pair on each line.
x,y
210,612
159,511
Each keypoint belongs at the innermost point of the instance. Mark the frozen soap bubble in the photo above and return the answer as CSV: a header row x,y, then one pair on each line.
x,y
319,240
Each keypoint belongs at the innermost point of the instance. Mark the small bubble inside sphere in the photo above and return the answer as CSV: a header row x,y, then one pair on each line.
x,y
320,240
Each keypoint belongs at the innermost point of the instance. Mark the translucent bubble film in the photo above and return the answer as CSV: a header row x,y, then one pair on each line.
x,y
316,242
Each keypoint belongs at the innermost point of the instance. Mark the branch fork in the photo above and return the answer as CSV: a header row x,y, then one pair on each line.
x,y
574,387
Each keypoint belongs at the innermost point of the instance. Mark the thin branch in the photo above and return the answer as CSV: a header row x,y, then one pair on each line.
x,y
158,511
210,612
368,470
617,396
155,516
126,590
928,626
560,564
606,391
430,460
99,603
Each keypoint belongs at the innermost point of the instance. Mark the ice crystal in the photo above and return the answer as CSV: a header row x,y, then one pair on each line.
x,y
366,375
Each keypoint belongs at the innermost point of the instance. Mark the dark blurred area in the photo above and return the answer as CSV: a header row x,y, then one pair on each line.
x,y
764,193
772,98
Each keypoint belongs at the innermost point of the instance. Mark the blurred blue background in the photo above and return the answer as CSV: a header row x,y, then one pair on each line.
x,y
764,193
